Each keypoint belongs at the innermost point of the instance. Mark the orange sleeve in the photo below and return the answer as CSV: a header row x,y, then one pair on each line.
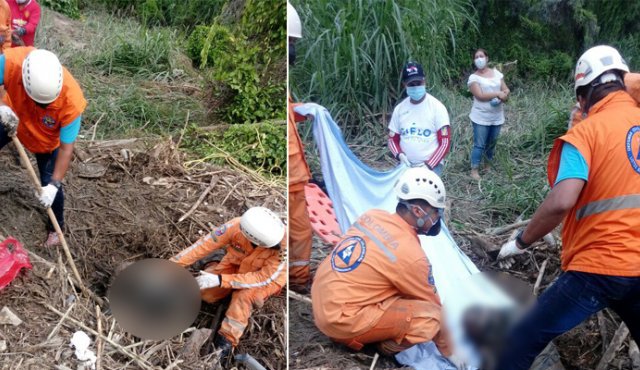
x,y
216,239
271,271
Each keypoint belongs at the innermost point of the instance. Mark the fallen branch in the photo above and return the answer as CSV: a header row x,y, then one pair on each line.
x,y
299,297
214,181
536,287
99,340
504,229
618,338
375,359
95,127
59,324
137,359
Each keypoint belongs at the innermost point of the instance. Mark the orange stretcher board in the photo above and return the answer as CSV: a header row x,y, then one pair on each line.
x,y
323,219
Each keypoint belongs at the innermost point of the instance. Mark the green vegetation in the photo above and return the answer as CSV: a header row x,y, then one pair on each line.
x,y
140,71
351,55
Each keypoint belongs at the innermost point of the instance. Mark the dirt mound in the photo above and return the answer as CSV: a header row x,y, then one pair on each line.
x,y
123,203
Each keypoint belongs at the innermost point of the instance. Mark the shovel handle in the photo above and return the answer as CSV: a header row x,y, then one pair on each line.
x,y
36,182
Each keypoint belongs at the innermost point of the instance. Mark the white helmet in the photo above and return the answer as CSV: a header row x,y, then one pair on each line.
x,y
294,26
262,227
42,76
595,62
421,183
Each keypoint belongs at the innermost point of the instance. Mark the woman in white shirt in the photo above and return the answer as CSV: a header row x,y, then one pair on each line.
x,y
487,113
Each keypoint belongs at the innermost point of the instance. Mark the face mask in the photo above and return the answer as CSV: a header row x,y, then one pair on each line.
x,y
480,62
292,54
21,1
416,92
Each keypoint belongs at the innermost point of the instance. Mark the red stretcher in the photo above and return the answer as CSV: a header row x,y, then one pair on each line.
x,y
323,219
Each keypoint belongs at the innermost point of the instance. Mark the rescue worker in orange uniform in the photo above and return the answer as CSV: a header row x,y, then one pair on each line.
x,y
48,103
300,232
377,285
5,26
594,171
632,85
252,270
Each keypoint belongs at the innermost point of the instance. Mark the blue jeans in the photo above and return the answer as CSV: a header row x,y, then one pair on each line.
x,y
570,300
46,164
484,143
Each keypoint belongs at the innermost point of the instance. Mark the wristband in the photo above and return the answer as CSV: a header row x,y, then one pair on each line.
x,y
56,183
520,242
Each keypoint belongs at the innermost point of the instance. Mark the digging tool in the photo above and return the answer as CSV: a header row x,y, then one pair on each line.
x,y
36,182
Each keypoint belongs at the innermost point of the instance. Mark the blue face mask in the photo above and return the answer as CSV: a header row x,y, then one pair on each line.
x,y
416,92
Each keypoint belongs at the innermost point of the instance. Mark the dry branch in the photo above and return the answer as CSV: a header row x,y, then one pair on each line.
x,y
137,359
214,181
299,297
536,287
504,229
618,338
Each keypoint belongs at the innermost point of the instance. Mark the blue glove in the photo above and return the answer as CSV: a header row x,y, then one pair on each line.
x,y
20,31
495,102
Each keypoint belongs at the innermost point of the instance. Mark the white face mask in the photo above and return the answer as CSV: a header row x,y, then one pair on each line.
x,y
21,1
480,62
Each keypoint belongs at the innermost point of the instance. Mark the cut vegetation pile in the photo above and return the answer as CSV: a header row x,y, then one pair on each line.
x,y
123,204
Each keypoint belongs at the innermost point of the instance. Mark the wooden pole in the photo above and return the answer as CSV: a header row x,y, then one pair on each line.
x,y
36,182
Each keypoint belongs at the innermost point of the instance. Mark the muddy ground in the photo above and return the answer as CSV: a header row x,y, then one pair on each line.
x,y
123,204
580,349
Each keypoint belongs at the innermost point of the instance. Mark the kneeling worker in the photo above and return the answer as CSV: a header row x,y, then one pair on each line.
x,y
252,270
377,285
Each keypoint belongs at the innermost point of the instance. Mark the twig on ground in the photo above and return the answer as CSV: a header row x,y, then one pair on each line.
x,y
375,359
299,297
212,183
618,338
536,287
99,340
137,359
504,229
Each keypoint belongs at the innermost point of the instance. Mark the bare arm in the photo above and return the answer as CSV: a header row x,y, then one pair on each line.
x,y
505,89
553,209
477,92
65,153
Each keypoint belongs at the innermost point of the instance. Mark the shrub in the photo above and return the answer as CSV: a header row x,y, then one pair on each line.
x,y
66,7
145,55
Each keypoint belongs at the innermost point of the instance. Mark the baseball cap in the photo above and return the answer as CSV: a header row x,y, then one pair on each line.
x,y
412,71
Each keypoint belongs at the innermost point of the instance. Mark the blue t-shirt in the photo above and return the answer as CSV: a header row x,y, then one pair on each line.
x,y
572,164
69,133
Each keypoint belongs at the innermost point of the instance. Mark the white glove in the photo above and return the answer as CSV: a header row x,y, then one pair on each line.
x,y
208,280
9,120
507,252
47,195
404,160
457,361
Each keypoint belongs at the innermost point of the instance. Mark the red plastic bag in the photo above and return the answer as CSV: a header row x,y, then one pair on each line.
x,y
12,259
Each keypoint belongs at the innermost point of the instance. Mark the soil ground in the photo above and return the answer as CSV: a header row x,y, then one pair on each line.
x,y
580,348
129,212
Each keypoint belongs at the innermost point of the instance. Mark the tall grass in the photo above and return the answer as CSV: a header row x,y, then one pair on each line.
x,y
352,53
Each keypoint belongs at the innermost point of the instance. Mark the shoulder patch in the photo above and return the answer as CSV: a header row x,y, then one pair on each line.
x,y
633,147
348,254
221,230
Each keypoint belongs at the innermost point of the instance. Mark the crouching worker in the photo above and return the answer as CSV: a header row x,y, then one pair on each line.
x,y
252,270
377,285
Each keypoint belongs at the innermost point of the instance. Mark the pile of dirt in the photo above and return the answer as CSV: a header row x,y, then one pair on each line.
x,y
124,201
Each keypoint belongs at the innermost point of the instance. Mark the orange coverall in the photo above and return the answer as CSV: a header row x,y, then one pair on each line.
x,y
377,286
249,274
631,82
300,232
5,25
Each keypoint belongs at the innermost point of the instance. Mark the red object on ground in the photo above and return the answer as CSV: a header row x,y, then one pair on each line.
x,y
12,259
323,219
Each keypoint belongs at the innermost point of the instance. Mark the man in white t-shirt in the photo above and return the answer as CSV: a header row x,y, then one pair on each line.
x,y
419,131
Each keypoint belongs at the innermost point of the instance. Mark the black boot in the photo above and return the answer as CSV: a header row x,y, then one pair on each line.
x,y
224,346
